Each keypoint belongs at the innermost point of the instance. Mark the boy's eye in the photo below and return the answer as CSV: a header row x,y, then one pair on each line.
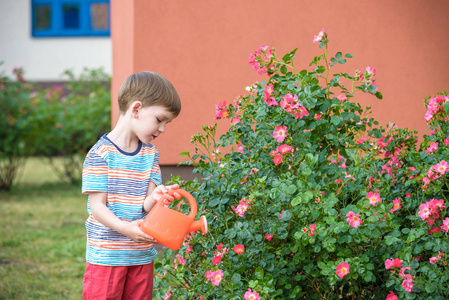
x,y
158,120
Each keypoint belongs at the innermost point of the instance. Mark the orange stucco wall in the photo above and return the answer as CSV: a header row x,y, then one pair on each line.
x,y
202,47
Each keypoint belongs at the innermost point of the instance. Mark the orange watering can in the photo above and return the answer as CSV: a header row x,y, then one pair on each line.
x,y
168,226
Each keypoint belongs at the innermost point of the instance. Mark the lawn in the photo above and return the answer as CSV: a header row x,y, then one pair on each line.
x,y
42,236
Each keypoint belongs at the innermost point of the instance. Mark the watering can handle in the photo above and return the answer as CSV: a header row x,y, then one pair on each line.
x,y
189,197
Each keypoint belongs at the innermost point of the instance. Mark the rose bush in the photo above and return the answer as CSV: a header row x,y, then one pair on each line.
x,y
312,199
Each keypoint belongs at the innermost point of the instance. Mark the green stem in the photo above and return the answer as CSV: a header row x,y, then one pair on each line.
x,y
327,72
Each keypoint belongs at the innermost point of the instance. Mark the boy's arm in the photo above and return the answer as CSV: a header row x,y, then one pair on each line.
x,y
149,199
106,217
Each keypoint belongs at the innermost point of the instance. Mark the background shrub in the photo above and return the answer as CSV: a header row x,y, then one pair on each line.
x,y
69,119
15,110
62,122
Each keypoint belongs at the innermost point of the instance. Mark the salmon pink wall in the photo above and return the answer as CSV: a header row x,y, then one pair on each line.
x,y
202,47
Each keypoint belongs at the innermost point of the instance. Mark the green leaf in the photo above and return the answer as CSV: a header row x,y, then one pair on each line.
x,y
259,273
289,56
437,234
338,55
236,278
405,230
335,120
306,196
342,61
284,70
331,200
369,276
321,264
389,240
197,248
281,233
306,171
296,200
418,249
373,219
330,247
428,245
379,95
376,233
286,215
291,189
310,159
320,69
314,214
411,237
349,55
430,288
184,153
446,108
214,202
230,233
253,283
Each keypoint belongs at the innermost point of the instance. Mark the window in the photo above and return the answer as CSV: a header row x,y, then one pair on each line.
x,y
64,18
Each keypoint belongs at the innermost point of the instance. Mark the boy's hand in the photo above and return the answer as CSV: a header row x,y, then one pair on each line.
x,y
156,193
133,231
162,192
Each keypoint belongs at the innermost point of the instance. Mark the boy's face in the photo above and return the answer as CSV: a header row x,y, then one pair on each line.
x,y
150,122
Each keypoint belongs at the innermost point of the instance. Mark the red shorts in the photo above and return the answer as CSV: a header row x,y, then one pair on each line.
x,y
118,282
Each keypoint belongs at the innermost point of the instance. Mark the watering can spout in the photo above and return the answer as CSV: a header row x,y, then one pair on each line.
x,y
199,225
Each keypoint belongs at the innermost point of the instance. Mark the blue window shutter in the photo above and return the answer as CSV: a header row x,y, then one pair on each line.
x,y
60,27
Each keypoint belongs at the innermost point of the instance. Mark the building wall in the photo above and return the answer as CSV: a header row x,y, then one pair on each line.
x,y
202,47
44,59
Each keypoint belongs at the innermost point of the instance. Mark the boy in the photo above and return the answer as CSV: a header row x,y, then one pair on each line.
x,y
121,175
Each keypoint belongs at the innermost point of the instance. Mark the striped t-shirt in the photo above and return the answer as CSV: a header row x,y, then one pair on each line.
x,y
124,177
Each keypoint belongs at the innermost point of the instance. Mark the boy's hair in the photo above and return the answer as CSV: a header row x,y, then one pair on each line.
x,y
150,88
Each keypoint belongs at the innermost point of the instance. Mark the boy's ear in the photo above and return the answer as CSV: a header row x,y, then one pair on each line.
x,y
134,108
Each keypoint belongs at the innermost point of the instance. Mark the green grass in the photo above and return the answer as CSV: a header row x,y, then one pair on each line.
x,y
42,236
